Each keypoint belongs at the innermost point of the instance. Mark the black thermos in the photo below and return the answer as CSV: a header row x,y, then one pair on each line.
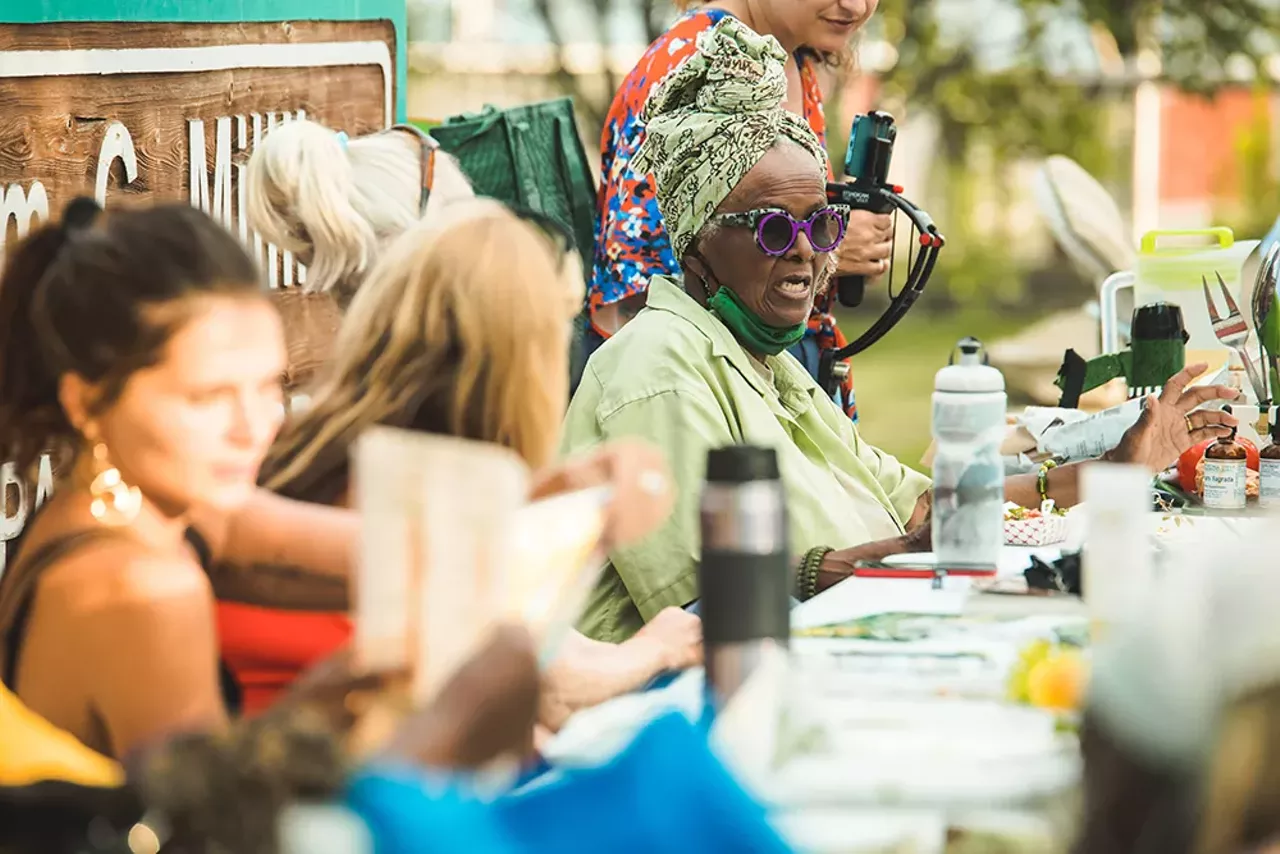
x,y
746,569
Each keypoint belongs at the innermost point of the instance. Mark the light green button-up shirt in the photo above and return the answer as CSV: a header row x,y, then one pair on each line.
x,y
677,377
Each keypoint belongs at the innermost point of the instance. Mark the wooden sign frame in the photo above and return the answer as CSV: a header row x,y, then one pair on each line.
x,y
151,100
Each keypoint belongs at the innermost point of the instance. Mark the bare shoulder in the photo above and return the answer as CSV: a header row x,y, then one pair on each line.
x,y
120,580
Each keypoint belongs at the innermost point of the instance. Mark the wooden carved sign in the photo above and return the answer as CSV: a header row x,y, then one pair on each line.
x,y
140,112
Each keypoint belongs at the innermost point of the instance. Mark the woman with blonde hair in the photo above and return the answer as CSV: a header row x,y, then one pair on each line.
x,y
445,338
335,202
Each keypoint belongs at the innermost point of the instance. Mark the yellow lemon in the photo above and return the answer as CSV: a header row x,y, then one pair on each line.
x,y
1031,655
1058,682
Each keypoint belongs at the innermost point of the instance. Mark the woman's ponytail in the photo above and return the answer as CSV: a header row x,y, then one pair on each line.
x,y
300,197
31,417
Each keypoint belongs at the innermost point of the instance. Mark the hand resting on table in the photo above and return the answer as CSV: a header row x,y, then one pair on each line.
x,y
1170,423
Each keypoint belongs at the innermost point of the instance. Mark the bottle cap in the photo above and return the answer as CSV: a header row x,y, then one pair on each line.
x,y
970,374
1231,437
741,464
1158,321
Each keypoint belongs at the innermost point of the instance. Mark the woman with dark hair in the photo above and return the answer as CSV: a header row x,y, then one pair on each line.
x,y
139,348
632,244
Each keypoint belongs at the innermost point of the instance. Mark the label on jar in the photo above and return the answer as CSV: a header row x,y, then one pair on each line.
x,y
1269,483
1224,484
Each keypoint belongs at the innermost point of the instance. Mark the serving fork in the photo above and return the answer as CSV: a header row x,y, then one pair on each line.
x,y
1233,332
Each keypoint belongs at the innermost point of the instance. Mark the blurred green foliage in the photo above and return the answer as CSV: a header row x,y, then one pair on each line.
x,y
1259,178
1026,107
992,114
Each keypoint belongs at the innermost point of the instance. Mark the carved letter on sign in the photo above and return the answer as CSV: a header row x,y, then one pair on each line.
x,y
28,207
14,492
180,106
116,145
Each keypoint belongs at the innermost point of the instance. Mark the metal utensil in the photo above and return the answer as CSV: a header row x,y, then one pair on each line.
x,y
1263,296
1267,289
1271,338
1233,332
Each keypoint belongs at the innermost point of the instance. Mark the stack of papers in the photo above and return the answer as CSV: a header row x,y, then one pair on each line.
x,y
450,548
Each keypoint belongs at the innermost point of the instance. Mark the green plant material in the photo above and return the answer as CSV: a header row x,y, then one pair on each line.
x,y
1018,514
1023,103
1255,212
1028,657
1019,841
1024,108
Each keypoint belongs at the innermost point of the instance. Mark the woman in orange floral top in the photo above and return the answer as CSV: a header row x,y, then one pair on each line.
x,y
631,242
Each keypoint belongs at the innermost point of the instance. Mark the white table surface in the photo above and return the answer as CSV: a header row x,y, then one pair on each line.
x,y
855,598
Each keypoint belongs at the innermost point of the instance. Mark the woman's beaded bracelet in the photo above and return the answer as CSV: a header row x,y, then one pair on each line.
x,y
807,576
1042,479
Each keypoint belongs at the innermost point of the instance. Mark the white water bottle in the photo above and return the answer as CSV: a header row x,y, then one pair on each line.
x,y
969,407
1118,570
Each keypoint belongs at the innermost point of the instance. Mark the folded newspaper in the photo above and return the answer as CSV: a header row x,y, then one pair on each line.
x,y
1069,434
450,548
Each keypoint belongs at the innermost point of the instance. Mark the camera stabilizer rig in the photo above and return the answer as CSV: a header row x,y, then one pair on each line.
x,y
867,163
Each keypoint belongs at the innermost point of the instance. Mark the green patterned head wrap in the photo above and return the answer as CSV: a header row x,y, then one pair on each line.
x,y
711,120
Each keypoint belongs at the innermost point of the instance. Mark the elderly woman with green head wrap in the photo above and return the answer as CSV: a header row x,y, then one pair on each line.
x,y
741,183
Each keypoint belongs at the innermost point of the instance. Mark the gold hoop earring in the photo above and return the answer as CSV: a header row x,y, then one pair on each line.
x,y
114,503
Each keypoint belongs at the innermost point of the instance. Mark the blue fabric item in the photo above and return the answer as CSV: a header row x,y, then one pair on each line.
x,y
407,811
667,792
807,353
534,772
662,680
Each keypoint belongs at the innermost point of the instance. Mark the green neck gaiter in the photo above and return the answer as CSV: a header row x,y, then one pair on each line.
x,y
756,335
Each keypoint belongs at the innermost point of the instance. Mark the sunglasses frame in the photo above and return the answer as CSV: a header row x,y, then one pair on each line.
x,y
757,219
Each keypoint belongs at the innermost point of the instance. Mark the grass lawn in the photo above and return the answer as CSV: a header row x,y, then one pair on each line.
x,y
894,379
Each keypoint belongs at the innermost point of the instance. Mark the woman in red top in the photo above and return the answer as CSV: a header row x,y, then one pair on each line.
x,y
631,242
442,338
346,201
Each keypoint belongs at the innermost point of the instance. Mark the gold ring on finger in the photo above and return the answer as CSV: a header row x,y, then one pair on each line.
x,y
1191,427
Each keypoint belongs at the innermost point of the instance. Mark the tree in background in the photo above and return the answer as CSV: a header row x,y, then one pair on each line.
x,y
1038,94
1202,45
1258,207
1033,94
593,101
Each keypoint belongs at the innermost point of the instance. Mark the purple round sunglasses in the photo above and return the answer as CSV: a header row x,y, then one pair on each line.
x,y
776,230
